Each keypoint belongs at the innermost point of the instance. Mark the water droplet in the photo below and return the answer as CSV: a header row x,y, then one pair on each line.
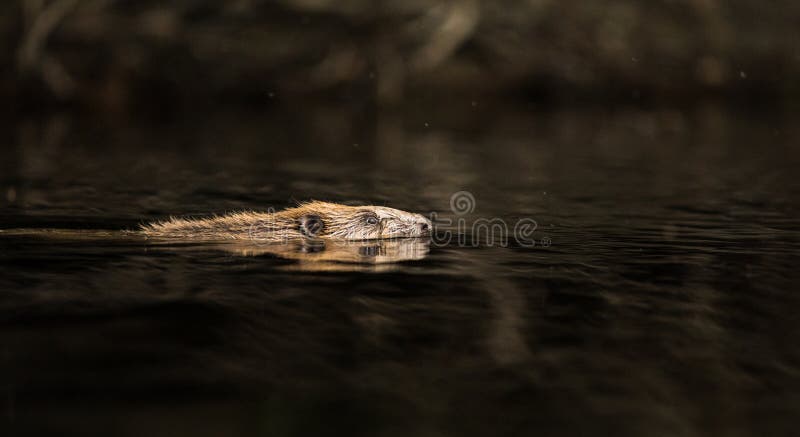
x,y
743,75
11,194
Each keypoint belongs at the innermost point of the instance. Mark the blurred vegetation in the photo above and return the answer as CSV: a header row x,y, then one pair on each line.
x,y
126,54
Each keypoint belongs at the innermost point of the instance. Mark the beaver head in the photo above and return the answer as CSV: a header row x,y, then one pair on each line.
x,y
331,220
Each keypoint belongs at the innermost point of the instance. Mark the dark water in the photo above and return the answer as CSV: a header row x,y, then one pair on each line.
x,y
659,298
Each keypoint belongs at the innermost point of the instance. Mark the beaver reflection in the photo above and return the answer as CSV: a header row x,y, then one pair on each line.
x,y
311,253
317,254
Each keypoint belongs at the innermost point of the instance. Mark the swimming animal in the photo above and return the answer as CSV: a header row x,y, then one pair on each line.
x,y
308,220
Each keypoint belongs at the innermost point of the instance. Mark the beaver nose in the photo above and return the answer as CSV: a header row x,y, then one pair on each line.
x,y
424,227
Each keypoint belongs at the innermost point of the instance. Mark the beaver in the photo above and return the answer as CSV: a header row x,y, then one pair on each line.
x,y
313,219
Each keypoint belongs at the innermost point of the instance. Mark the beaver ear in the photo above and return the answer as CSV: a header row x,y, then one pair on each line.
x,y
311,225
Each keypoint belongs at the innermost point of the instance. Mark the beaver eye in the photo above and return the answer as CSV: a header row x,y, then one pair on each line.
x,y
371,220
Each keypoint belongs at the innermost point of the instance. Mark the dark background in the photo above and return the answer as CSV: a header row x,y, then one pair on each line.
x,y
655,143
188,55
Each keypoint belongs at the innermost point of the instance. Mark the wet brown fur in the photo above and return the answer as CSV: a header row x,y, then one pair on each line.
x,y
312,219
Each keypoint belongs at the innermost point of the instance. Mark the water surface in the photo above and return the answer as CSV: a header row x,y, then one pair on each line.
x,y
658,299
